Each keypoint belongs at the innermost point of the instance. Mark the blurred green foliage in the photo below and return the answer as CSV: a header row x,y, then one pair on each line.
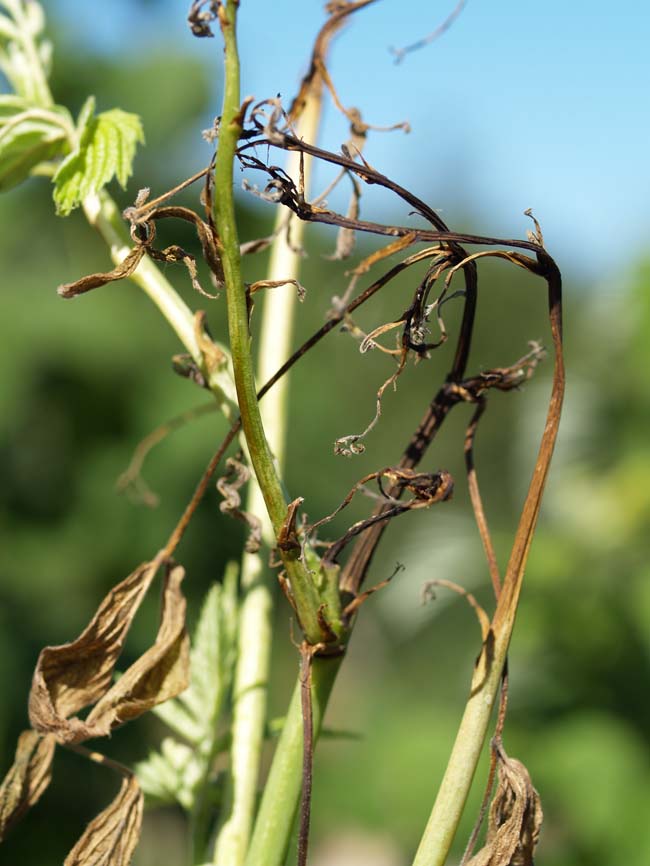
x,y
81,383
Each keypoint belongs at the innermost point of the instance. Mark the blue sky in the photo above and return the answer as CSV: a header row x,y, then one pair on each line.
x,y
518,105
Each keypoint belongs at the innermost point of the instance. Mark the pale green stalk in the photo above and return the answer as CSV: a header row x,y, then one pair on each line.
x,y
277,810
250,689
455,786
450,802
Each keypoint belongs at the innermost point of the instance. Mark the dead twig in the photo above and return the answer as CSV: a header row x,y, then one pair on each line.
x,y
400,53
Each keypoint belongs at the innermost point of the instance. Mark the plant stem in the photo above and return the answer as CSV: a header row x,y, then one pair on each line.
x,y
457,781
277,810
303,590
449,804
254,643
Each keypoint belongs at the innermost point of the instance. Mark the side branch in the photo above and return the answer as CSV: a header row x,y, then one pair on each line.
x,y
450,802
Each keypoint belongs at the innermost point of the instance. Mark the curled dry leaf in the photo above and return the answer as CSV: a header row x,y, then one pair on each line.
x,y
301,291
77,674
515,818
27,778
255,246
203,230
176,253
93,281
237,474
111,837
162,672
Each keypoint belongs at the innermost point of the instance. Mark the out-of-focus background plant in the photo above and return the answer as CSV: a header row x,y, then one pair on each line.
x,y
82,383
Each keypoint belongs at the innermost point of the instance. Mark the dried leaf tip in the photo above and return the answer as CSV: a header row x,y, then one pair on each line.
x,y
110,838
199,20
28,777
515,817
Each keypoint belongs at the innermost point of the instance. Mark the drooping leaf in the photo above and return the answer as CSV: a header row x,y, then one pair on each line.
x,y
162,672
107,145
515,818
28,137
111,837
93,281
27,778
74,675
158,779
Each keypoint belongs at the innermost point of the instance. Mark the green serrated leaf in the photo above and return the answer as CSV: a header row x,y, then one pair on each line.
x,y
213,652
130,135
16,108
28,136
85,118
205,661
171,775
179,720
158,779
179,772
193,714
177,755
106,150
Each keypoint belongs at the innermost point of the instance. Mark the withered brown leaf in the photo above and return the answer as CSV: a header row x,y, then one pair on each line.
x,y
162,672
28,777
74,675
111,837
515,818
93,281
